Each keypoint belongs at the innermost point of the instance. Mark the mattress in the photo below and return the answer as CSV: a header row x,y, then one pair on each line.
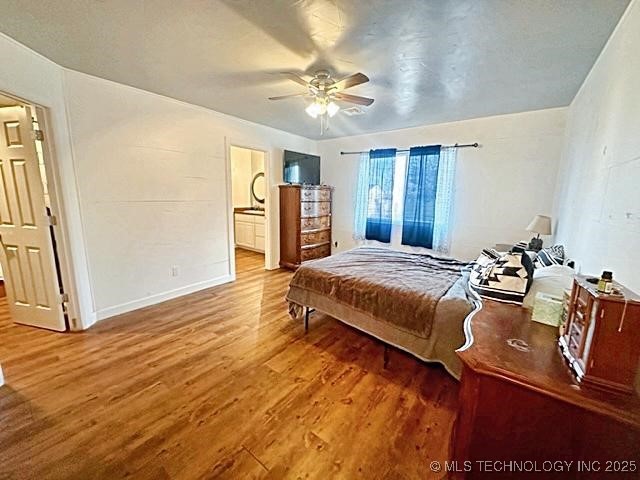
x,y
416,302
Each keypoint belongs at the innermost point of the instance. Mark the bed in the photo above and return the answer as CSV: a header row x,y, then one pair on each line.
x,y
415,302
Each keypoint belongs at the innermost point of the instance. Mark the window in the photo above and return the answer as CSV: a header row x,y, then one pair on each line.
x,y
405,198
398,198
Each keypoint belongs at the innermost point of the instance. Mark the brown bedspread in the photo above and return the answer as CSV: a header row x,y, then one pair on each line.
x,y
396,287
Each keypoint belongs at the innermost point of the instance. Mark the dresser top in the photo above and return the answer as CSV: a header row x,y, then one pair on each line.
x,y
626,294
503,342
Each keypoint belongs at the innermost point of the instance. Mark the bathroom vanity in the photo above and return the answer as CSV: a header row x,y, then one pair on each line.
x,y
249,228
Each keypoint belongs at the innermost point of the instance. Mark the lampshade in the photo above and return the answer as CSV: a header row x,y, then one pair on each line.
x,y
541,224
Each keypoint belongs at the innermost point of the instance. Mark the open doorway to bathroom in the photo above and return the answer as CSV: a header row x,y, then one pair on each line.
x,y
248,193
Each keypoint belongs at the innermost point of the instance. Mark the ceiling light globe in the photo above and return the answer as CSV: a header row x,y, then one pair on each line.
x,y
313,110
332,109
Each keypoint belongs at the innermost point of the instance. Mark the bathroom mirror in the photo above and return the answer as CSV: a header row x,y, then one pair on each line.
x,y
257,187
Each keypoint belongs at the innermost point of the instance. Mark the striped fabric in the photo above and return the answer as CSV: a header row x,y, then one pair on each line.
x,y
505,279
550,256
519,247
491,253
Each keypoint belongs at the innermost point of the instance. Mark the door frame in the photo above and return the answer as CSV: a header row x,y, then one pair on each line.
x,y
51,168
268,250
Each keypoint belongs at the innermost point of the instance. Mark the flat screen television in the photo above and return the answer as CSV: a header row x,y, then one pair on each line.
x,y
301,168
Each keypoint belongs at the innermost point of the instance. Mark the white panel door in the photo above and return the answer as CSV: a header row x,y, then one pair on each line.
x,y
28,265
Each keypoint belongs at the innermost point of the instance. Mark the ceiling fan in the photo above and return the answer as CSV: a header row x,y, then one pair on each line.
x,y
323,89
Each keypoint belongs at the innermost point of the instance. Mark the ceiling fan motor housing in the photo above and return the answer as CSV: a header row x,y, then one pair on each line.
x,y
322,80
324,90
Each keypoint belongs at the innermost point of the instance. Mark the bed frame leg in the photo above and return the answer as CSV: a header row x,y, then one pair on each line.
x,y
385,356
307,311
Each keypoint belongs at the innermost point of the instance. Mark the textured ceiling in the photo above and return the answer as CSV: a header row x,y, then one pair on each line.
x,y
429,61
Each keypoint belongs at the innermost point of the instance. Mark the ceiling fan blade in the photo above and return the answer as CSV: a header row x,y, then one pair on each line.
x,y
345,97
281,97
350,81
296,78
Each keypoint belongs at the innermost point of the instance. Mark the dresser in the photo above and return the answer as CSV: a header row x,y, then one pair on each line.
x,y
520,402
602,336
305,223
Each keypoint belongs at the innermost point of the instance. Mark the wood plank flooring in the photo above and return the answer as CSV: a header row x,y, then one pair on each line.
x,y
218,384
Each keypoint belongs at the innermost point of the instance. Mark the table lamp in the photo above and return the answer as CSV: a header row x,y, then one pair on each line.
x,y
541,225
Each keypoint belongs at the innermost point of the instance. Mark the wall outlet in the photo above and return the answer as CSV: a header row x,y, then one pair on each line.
x,y
174,271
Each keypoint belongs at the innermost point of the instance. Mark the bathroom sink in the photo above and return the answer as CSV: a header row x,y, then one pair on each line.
x,y
251,211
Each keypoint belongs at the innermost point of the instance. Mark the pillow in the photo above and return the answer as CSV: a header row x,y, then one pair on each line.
x,y
519,247
553,271
491,253
557,251
553,280
485,261
550,256
506,279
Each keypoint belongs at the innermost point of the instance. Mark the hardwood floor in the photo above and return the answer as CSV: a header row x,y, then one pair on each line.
x,y
218,384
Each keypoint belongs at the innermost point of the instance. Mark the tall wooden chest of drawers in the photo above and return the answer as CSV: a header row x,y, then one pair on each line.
x,y
602,335
305,223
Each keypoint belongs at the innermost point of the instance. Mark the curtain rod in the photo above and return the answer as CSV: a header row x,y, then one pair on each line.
x,y
463,145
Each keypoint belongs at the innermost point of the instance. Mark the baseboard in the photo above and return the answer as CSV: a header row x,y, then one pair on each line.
x,y
161,297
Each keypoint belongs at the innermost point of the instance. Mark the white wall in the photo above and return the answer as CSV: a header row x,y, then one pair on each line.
x,y
245,164
598,201
499,187
153,190
142,183
32,77
241,168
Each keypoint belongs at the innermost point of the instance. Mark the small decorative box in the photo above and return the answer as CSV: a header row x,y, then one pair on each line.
x,y
547,309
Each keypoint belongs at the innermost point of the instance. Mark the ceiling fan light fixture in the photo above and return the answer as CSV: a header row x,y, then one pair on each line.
x,y
324,90
313,110
332,109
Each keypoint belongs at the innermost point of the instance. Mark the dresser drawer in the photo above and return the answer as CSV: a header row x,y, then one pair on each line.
x,y
315,252
314,223
312,238
583,296
315,195
315,209
576,331
579,315
574,346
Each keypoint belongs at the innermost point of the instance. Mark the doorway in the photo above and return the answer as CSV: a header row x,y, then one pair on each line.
x,y
29,261
249,191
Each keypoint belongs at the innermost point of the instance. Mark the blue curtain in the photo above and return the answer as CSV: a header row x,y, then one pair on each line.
x,y
381,169
420,196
